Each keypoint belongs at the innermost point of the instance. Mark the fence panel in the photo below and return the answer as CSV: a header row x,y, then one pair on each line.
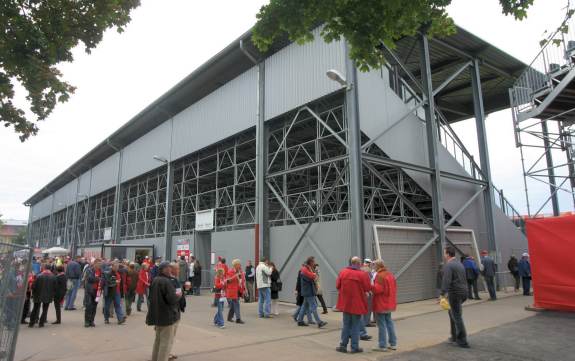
x,y
15,262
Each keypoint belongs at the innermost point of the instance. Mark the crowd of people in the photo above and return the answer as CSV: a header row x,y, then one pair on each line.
x,y
366,293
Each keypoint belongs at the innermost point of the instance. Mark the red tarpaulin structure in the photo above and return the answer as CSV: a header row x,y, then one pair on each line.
x,y
552,256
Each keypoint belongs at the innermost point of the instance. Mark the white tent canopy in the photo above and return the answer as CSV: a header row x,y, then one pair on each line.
x,y
56,251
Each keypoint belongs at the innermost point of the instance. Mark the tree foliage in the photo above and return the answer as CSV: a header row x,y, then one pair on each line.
x,y
365,24
37,35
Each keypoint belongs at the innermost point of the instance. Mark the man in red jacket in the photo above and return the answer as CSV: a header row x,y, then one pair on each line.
x,y
352,284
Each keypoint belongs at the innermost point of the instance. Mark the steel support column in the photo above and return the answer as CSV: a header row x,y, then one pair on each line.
x,y
51,222
262,242
550,168
74,219
488,200
432,135
117,201
168,215
355,166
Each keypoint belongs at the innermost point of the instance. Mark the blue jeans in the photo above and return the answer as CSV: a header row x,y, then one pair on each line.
x,y
296,313
219,317
367,317
351,327
385,328
116,299
71,295
264,302
309,306
234,309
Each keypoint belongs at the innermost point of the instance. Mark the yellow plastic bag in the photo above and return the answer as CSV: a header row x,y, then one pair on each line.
x,y
444,303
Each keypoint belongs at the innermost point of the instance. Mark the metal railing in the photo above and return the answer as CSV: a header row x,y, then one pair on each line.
x,y
453,144
15,262
555,58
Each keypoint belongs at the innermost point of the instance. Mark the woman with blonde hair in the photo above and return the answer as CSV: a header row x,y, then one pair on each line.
x,y
384,302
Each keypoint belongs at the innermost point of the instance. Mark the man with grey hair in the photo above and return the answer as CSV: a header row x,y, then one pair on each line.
x,y
353,285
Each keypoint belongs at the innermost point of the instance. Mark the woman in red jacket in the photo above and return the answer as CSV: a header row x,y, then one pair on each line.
x,y
384,302
235,284
142,286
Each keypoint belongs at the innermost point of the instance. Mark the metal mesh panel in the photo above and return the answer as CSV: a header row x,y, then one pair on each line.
x,y
14,267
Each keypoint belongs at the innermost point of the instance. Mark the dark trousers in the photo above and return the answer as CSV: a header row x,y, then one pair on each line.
x,y
130,298
322,302
516,278
26,311
526,285
90,306
58,308
36,311
472,286
458,333
491,287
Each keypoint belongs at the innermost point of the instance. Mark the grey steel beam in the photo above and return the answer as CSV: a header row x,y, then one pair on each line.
x,y
432,134
74,219
311,222
451,78
322,122
357,213
550,169
399,120
168,213
306,166
117,200
294,219
51,221
488,200
262,240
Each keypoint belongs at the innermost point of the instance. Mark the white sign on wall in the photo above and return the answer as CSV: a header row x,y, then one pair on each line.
x,y
107,234
205,220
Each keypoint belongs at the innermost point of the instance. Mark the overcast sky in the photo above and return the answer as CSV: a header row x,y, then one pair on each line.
x,y
168,39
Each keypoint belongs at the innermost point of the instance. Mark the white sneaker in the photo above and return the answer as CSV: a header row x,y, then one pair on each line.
x,y
222,327
379,349
393,348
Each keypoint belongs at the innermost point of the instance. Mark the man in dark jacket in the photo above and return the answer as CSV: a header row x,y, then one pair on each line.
x,y
524,269
164,311
132,280
112,289
92,292
73,274
59,293
455,286
513,267
489,272
472,274
42,293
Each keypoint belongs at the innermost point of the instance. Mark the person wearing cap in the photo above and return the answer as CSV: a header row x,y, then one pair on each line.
x,y
489,272
164,311
525,274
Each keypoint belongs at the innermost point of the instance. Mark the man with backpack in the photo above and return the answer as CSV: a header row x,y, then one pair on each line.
x,y
472,274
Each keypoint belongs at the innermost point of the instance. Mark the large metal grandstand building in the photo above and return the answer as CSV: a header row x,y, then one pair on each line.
x,y
297,153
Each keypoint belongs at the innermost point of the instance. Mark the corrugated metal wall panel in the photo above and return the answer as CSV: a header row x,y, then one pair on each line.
x,y
138,156
223,113
42,209
65,196
334,241
84,185
296,74
105,174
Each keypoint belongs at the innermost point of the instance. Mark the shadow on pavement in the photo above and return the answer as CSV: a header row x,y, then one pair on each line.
x,y
548,336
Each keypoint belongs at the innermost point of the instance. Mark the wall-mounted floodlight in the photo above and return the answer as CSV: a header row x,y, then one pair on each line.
x,y
160,159
336,76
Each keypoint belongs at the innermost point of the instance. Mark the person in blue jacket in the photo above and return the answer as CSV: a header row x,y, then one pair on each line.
x,y
472,275
525,274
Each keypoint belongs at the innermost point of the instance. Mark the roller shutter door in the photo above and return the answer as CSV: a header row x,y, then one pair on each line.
x,y
398,246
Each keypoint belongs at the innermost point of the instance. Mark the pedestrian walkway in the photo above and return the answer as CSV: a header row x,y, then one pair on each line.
x,y
420,324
